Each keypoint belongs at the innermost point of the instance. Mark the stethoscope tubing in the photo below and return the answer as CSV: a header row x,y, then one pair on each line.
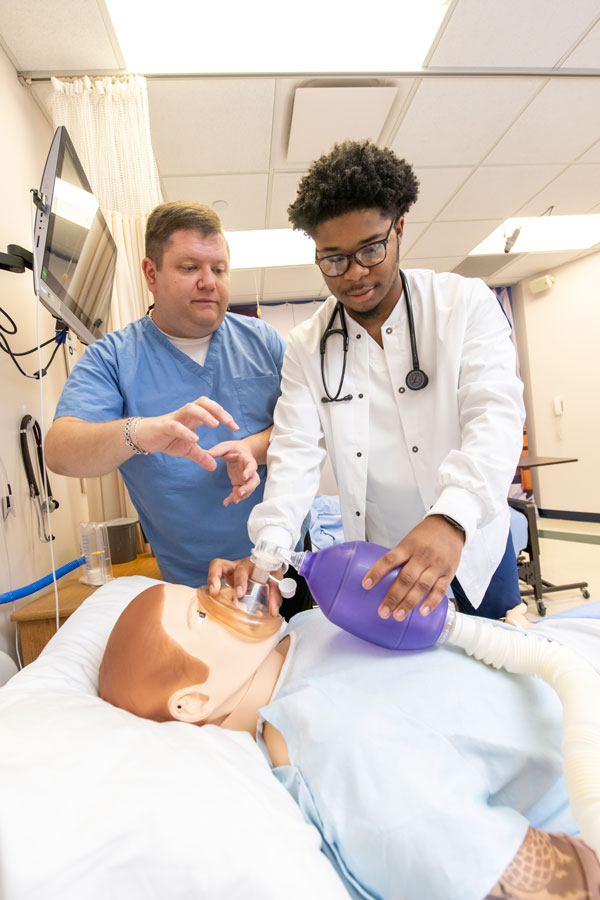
x,y
416,379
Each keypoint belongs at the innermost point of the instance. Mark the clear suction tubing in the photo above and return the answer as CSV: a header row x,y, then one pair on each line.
x,y
335,575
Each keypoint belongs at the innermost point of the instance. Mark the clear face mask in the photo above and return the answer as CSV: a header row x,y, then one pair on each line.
x,y
248,615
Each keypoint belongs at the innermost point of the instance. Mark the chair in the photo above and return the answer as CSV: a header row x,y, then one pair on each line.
x,y
528,561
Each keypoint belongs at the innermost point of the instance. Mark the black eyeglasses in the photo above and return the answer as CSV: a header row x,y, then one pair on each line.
x,y
368,256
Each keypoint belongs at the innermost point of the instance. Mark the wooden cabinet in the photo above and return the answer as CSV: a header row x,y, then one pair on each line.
x,y
37,620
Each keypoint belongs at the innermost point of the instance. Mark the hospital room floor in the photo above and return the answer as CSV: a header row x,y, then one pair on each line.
x,y
570,552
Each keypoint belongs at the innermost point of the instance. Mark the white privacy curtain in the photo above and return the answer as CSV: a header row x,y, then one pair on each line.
x,y
107,120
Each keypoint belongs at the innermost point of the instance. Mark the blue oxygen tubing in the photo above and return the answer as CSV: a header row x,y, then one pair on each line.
x,y
9,596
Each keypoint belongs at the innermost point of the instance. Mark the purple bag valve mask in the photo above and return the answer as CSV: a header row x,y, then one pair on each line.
x,y
334,576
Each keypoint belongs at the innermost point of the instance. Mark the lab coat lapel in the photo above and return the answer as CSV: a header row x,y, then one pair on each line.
x,y
348,427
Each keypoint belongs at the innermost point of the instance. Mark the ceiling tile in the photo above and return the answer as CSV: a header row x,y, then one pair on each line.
x,y
592,155
287,280
481,266
436,187
59,37
530,264
283,192
298,295
574,191
438,264
323,116
452,238
512,33
455,121
412,232
285,92
497,191
557,126
587,53
205,126
245,196
246,281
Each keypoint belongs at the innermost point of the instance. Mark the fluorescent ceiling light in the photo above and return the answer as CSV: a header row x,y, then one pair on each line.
x,y
542,233
275,247
269,36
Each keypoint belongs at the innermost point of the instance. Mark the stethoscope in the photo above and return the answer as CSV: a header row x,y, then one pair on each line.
x,y
42,507
416,379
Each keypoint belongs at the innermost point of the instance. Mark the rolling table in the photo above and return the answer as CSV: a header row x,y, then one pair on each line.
x,y
529,569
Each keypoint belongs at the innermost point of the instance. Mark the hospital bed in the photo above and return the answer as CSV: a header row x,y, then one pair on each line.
x,y
98,804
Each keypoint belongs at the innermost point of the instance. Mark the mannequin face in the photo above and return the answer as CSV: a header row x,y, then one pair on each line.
x,y
176,653
218,633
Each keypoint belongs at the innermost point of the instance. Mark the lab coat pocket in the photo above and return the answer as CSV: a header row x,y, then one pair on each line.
x,y
257,397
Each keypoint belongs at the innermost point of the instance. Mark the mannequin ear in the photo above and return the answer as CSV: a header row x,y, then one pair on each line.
x,y
189,704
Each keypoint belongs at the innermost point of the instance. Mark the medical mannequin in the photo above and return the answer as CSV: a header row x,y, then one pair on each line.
x,y
179,654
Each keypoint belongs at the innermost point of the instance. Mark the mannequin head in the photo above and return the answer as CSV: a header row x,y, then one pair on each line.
x,y
177,653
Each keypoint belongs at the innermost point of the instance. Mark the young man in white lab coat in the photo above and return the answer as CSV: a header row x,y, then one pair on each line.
x,y
422,422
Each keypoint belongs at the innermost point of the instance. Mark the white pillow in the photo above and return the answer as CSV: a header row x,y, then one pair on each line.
x,y
97,804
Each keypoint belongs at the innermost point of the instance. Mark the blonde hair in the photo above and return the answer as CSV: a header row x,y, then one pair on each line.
x,y
177,215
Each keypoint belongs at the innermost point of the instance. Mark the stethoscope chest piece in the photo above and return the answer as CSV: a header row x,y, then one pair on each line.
x,y
416,380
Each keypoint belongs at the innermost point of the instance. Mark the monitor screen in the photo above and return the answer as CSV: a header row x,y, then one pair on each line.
x,y
75,253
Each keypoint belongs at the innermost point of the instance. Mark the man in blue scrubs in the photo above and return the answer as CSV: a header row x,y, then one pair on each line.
x,y
180,401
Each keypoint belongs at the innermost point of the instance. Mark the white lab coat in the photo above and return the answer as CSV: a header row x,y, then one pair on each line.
x,y
463,431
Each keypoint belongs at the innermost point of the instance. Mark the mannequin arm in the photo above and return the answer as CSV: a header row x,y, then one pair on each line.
x,y
549,867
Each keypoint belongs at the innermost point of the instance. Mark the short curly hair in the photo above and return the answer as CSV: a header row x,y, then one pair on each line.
x,y
354,175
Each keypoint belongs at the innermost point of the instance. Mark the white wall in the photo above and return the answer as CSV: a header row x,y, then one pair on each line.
x,y
558,334
26,137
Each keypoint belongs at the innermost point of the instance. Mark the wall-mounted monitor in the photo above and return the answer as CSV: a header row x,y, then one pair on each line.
x,y
75,253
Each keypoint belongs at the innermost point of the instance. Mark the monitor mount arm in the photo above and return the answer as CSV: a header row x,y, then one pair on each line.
x,y
17,259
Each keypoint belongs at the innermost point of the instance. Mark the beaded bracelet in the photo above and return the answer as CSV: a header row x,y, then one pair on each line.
x,y
129,426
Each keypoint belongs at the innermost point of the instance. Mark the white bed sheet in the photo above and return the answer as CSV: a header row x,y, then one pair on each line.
x,y
96,803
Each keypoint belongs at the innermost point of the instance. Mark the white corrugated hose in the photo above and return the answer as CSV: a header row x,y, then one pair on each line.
x,y
578,687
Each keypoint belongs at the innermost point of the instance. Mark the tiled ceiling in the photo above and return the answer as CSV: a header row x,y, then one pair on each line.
x,y
503,119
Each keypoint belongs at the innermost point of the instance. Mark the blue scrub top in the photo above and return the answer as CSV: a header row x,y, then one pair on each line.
x,y
138,372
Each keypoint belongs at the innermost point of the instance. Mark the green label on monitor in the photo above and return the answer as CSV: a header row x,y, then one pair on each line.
x,y
44,272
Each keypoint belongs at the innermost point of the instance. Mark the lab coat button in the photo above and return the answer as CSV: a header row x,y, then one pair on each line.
x,y
358,337
388,330
360,396
415,449
359,453
357,513
401,390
